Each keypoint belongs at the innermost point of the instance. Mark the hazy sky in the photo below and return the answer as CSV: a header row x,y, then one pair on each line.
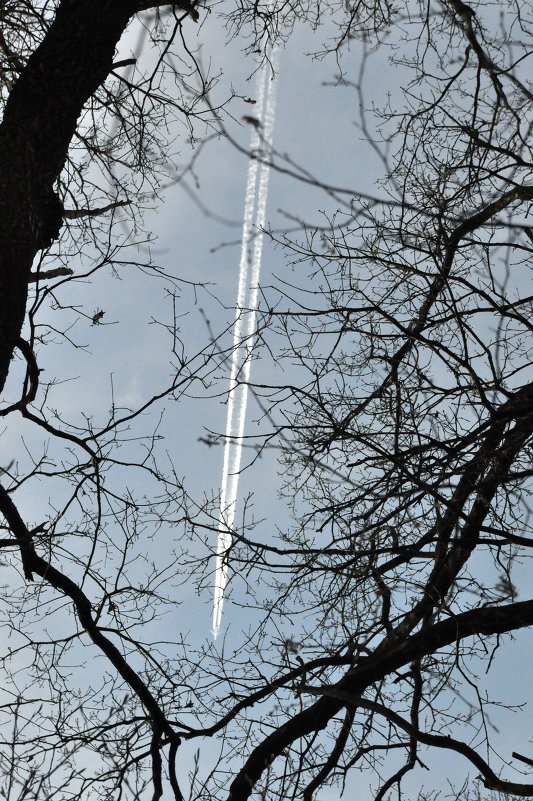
x,y
316,126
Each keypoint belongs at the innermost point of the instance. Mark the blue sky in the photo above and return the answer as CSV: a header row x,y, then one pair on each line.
x,y
316,127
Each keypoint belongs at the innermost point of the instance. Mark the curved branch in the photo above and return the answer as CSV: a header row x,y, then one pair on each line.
x,y
484,621
43,275
269,688
33,376
334,756
490,780
33,563
76,214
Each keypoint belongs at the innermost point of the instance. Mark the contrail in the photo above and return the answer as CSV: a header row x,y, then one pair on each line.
x,y
245,319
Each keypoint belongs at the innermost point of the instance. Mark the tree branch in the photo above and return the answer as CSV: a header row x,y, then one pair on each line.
x,y
33,563
490,780
484,621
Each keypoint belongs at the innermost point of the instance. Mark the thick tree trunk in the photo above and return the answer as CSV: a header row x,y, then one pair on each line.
x,y
39,121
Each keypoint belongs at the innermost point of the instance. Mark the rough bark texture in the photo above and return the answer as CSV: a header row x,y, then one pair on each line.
x,y
39,121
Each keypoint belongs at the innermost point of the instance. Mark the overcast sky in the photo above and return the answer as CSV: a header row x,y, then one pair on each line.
x,y
316,126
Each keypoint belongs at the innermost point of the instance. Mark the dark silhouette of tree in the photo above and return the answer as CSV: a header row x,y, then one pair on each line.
x,y
404,435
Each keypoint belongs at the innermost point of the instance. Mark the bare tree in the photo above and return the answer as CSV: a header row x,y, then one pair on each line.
x,y
404,435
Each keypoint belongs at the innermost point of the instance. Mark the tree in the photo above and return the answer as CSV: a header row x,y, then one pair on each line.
x,y
403,436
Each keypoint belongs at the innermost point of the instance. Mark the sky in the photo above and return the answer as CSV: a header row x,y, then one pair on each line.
x,y
316,125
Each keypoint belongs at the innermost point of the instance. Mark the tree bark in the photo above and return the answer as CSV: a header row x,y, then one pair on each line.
x,y
40,118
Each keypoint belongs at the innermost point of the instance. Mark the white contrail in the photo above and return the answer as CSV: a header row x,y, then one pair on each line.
x,y
245,319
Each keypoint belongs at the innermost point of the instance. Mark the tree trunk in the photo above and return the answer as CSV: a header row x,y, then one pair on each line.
x,y
39,121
